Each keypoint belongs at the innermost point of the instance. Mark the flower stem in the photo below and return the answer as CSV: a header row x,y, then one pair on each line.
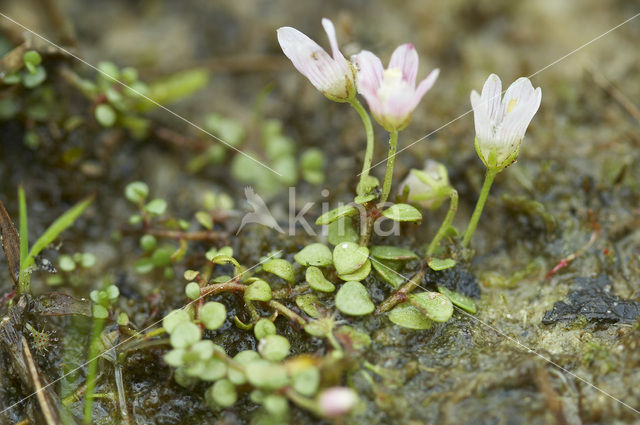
x,y
484,192
388,174
368,154
446,223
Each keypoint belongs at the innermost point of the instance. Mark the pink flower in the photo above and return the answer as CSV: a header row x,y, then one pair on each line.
x,y
391,93
337,401
334,77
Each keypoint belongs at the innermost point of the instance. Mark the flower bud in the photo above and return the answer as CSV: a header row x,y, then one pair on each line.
x,y
428,187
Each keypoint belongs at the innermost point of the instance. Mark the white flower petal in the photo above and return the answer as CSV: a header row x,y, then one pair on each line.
x,y
405,58
369,69
306,55
491,95
519,91
480,117
333,41
424,86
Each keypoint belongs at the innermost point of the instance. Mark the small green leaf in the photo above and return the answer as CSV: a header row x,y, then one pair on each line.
x,y
402,212
213,315
259,290
359,274
306,382
363,199
173,319
317,281
353,299
276,405
387,272
434,305
136,192
441,264
143,266
192,290
205,219
334,214
105,115
156,206
385,252
175,357
191,274
264,327
348,257
161,257
31,59
221,394
320,328
281,268
99,312
459,299
214,369
408,316
358,340
342,230
243,358
309,304
185,334
34,79
66,263
274,347
266,375
316,254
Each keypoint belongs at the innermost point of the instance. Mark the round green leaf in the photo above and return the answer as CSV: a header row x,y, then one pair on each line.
x,y
459,299
161,257
174,357
221,394
156,206
136,192
402,212
243,358
408,316
342,230
316,254
105,115
276,405
385,252
99,312
173,319
213,315
334,214
317,281
387,272
259,290
434,305
307,381
185,334
267,375
441,264
192,290
359,274
66,263
274,347
349,257
213,370
281,268
353,299
263,328
309,304
34,79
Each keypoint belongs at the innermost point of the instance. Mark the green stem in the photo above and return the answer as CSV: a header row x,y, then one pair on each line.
x,y
446,223
368,154
92,368
388,174
484,192
24,279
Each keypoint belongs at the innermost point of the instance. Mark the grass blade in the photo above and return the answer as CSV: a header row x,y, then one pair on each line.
x,y
57,227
